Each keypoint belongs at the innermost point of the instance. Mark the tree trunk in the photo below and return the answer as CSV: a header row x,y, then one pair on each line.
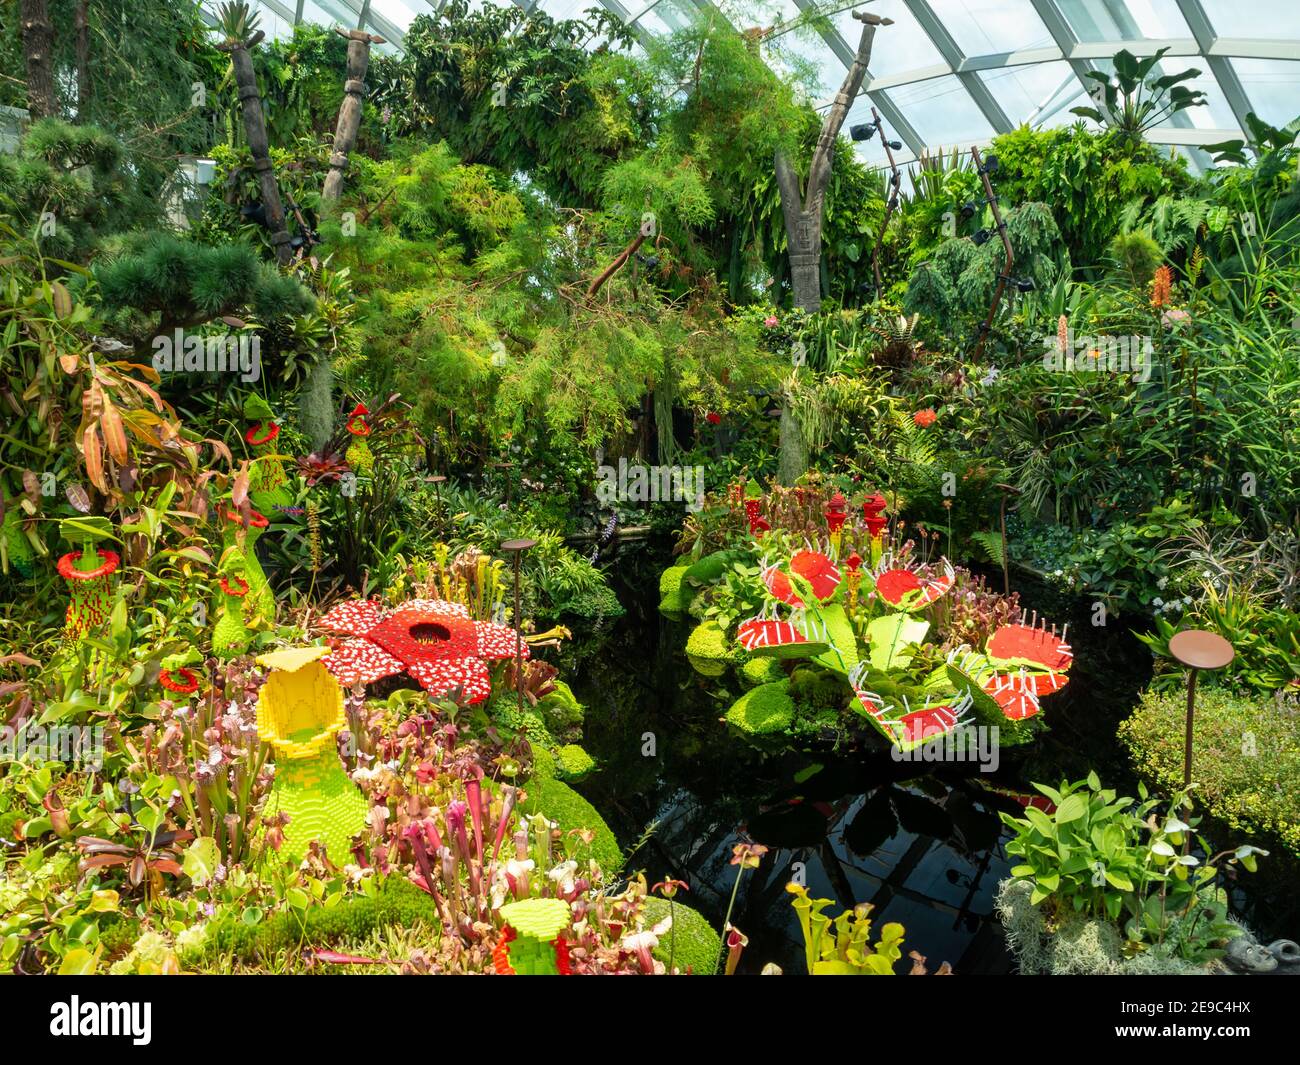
x,y
250,105
803,227
792,454
803,214
38,47
82,25
349,120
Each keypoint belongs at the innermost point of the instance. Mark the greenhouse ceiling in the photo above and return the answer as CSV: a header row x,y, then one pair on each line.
x,y
952,73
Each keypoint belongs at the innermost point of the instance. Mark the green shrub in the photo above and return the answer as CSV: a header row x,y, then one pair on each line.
x,y
764,710
696,946
561,710
672,597
1245,760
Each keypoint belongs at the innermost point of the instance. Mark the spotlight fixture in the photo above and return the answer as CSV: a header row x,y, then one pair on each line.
x,y
982,237
1025,284
863,131
896,145
990,164
968,210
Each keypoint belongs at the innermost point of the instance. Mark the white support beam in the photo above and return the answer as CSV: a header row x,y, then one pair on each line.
x,y
1229,84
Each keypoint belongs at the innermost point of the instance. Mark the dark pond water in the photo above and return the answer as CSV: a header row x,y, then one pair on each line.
x,y
921,842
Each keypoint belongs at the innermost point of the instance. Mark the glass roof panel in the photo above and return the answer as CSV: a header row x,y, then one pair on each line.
x,y
942,112
1040,94
1273,88
1274,19
1110,20
897,48
984,27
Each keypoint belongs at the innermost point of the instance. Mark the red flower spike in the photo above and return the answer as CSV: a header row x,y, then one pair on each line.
x,y
255,520
813,567
501,953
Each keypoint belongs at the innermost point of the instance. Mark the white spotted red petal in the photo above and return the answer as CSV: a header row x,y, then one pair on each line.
x,y
355,617
470,675
360,662
498,641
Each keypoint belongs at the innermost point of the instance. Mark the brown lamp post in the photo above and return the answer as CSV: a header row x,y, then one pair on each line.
x,y
517,548
1197,650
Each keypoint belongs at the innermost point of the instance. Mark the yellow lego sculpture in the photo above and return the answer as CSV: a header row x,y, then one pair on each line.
x,y
299,712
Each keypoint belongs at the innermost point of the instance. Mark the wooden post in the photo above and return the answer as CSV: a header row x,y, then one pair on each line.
x,y
349,120
1006,246
250,106
890,203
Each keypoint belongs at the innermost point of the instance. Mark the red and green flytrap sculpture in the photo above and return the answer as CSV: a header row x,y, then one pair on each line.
x,y
873,629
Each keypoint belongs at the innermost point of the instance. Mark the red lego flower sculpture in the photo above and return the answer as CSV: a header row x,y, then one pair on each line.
x,y
873,514
812,566
432,640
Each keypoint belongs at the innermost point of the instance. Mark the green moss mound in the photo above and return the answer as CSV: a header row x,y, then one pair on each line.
x,y
560,803
561,710
673,598
761,671
1245,762
397,902
573,763
696,946
709,650
764,710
